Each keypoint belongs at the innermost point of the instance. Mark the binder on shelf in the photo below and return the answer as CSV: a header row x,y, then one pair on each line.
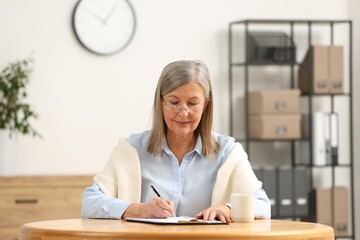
x,y
327,66
301,189
285,192
315,61
334,137
323,206
319,146
258,172
340,211
336,69
327,138
331,137
331,208
269,180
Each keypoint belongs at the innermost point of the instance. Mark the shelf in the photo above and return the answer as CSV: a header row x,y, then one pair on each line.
x,y
325,94
268,140
288,21
263,64
324,166
241,81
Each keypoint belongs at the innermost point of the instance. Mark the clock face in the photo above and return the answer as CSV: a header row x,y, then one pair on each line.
x,y
104,26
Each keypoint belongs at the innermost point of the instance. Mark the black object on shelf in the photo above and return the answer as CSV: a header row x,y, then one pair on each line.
x,y
270,47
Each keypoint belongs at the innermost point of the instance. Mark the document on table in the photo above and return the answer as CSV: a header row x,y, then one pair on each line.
x,y
174,220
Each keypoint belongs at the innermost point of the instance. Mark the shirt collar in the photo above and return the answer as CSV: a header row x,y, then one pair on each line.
x,y
198,145
197,148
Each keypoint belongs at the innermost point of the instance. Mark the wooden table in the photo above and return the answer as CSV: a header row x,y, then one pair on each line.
x,y
81,229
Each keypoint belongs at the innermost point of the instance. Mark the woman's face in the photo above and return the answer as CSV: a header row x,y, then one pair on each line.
x,y
183,108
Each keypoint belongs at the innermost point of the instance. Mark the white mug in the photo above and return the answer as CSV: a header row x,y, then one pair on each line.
x,y
242,207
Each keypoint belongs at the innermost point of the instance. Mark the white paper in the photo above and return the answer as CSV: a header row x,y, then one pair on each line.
x,y
173,220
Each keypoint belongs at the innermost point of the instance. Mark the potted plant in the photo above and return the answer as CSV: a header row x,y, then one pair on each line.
x,y
15,113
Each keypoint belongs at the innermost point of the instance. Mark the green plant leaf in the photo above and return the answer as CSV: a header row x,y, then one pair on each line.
x,y
15,113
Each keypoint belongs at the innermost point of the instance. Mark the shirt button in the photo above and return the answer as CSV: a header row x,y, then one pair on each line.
x,y
187,158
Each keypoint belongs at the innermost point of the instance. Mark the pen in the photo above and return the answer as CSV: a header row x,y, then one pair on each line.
x,y
156,192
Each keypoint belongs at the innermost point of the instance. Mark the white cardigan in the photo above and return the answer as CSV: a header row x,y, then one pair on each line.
x,y
121,177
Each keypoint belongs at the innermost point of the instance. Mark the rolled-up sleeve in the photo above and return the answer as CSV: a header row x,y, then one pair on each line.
x,y
96,204
262,205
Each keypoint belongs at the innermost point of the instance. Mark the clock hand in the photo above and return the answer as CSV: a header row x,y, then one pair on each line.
x,y
112,10
103,21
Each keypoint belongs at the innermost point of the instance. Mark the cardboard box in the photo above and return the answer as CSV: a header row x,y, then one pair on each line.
x,y
327,66
274,126
274,101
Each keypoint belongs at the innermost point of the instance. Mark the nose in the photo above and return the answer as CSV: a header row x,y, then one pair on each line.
x,y
186,111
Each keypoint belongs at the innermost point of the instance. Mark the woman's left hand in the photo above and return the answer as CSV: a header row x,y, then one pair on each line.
x,y
220,212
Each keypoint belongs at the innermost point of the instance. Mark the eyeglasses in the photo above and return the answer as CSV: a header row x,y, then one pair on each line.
x,y
177,107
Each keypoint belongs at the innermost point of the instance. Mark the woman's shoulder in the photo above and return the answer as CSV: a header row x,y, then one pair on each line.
x,y
223,140
226,144
139,140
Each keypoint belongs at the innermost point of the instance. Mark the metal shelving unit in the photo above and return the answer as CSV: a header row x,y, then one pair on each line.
x,y
310,25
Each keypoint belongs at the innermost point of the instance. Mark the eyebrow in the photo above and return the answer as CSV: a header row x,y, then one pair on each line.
x,y
191,98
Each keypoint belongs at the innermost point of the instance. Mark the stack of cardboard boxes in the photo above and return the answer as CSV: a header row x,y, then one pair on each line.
x,y
274,114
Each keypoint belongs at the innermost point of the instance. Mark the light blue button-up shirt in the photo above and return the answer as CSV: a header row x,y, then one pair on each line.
x,y
189,185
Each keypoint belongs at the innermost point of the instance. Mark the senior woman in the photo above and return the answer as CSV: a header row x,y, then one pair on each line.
x,y
194,169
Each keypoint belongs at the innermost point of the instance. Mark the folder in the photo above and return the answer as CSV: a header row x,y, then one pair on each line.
x,y
340,211
314,71
334,136
327,138
258,172
270,186
332,208
301,201
326,63
285,192
319,146
336,69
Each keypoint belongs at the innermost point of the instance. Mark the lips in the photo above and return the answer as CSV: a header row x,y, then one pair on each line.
x,y
182,122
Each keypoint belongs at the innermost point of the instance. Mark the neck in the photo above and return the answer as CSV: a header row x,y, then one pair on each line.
x,y
181,145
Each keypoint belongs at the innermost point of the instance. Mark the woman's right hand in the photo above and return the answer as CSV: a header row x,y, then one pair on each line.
x,y
156,208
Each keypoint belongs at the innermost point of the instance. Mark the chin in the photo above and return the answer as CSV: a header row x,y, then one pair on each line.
x,y
183,131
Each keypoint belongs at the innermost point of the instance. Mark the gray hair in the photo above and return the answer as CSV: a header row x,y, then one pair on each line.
x,y
174,75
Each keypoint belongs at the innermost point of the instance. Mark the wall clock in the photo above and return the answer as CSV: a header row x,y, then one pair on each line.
x,y
104,26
